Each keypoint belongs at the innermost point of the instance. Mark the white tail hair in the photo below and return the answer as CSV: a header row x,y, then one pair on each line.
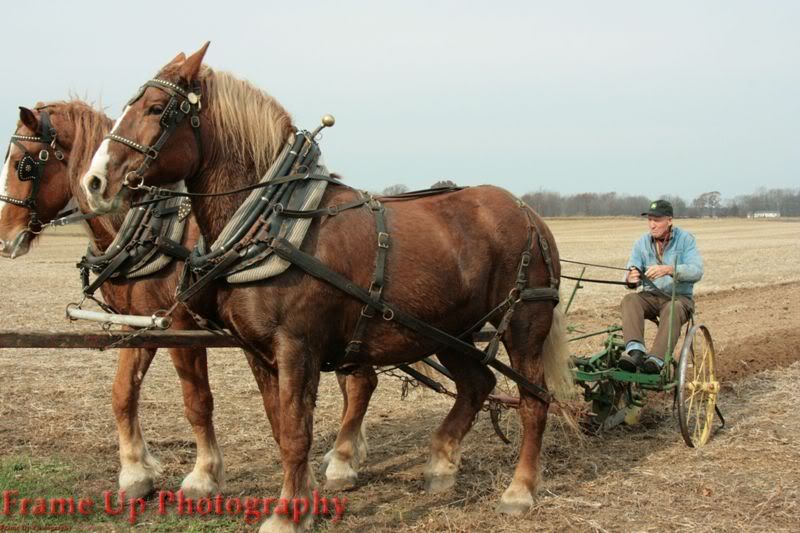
x,y
555,354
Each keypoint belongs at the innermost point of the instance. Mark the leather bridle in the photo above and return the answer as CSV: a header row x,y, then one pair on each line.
x,y
32,169
182,103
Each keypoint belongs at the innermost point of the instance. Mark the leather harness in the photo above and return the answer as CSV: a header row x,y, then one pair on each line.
x,y
32,169
256,236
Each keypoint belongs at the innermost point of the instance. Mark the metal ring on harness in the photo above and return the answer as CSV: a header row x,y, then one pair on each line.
x,y
388,314
133,180
35,226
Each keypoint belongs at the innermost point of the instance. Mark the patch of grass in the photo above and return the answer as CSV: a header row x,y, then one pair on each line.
x,y
35,479
21,478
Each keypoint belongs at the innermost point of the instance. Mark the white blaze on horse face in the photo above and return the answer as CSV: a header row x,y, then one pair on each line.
x,y
99,164
4,177
6,173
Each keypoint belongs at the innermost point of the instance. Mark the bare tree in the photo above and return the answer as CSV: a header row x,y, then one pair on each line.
x,y
395,189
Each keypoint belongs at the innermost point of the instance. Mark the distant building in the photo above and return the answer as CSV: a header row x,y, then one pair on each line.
x,y
764,214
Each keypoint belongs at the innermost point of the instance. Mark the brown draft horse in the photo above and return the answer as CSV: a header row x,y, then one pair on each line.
x,y
80,129
453,257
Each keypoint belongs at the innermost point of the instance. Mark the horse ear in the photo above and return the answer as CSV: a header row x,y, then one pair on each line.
x,y
28,118
178,58
191,66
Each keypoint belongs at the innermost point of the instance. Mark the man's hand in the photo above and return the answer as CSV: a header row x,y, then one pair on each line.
x,y
633,277
658,271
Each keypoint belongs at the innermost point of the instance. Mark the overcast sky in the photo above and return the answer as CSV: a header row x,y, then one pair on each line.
x,y
638,97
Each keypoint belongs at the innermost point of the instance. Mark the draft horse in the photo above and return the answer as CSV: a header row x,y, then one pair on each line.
x,y
452,258
50,151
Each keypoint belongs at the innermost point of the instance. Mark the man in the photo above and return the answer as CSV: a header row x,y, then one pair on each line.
x,y
655,254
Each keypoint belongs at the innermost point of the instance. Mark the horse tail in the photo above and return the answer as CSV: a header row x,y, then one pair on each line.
x,y
557,363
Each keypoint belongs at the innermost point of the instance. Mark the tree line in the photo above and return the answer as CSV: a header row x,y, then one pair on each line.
x,y
785,202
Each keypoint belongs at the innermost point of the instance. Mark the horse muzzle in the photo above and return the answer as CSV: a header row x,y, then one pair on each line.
x,y
17,247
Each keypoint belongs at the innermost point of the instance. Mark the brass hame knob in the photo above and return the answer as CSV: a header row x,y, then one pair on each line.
x,y
327,122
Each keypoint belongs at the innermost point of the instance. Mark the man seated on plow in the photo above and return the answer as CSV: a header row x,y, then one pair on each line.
x,y
655,254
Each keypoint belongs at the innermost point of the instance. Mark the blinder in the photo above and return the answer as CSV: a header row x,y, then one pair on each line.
x,y
30,169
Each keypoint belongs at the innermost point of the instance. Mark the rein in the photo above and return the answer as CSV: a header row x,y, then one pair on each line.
x,y
645,281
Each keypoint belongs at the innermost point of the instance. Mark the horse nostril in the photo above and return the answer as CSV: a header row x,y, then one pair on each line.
x,y
95,184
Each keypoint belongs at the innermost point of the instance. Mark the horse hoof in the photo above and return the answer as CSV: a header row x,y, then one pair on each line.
x,y
198,485
340,484
437,484
137,481
513,509
515,503
339,475
279,524
138,487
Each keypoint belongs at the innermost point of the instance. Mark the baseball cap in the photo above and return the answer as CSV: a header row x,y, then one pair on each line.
x,y
659,208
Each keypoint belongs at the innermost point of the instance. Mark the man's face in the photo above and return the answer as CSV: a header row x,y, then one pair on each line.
x,y
659,226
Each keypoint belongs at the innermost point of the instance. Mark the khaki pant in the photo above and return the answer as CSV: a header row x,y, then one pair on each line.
x,y
636,307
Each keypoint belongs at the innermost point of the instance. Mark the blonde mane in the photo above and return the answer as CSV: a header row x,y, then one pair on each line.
x,y
89,126
249,123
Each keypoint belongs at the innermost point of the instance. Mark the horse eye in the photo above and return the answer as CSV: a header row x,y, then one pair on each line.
x,y
156,109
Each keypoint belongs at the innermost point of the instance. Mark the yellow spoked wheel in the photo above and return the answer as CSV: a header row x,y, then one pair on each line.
x,y
697,387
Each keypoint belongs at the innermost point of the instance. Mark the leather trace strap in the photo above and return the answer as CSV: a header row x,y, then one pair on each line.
x,y
183,103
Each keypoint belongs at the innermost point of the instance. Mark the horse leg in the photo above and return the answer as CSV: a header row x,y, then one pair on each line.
x,y
138,469
208,475
341,463
474,381
298,379
267,381
523,342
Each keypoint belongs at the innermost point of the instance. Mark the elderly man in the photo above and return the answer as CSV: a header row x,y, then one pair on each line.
x,y
655,255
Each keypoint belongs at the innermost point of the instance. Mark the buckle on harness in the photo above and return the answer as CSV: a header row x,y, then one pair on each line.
x,y
375,291
365,312
333,210
383,240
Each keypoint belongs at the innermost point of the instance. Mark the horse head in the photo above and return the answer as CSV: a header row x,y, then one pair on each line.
x,y
34,177
156,141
